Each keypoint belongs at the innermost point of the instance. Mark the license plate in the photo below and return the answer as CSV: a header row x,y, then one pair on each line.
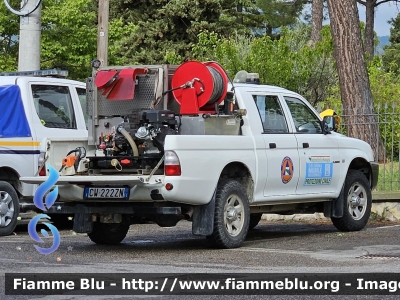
x,y
106,193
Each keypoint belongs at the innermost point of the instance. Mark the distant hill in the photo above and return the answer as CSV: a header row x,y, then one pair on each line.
x,y
383,40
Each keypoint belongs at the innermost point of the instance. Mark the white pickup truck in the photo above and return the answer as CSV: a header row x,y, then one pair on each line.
x,y
34,106
168,143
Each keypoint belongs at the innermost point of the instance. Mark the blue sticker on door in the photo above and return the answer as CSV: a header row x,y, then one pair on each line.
x,y
319,170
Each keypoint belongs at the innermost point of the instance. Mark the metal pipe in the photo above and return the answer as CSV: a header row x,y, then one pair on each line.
x,y
130,140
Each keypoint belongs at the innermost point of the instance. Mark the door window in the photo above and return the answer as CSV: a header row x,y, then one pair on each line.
x,y
271,114
53,105
304,119
82,99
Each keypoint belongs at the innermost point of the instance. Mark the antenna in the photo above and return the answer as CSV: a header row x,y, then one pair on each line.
x,y
29,33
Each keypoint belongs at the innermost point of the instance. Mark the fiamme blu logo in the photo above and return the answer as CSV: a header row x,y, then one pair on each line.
x,y
51,196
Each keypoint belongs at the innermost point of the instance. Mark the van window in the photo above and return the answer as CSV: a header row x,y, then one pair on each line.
x,y
82,99
53,106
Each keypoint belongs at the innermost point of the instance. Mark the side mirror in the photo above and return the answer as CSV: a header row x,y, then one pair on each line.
x,y
329,123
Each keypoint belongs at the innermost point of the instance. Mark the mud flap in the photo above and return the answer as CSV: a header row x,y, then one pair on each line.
x,y
82,221
335,208
203,218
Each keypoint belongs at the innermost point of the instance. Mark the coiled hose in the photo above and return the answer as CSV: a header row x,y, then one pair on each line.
x,y
218,85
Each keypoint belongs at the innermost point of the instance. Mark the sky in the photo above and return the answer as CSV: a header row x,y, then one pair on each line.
x,y
383,13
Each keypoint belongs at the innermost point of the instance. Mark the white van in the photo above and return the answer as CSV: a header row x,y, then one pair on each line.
x,y
33,106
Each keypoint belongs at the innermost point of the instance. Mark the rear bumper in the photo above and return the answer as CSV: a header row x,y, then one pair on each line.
x,y
374,175
112,208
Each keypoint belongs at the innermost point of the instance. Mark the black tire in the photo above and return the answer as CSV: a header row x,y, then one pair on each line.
x,y
254,220
9,208
232,215
357,203
108,233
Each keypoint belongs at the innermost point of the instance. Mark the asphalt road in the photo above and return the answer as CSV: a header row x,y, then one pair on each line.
x,y
272,247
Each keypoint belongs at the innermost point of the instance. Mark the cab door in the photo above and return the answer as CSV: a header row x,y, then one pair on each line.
x,y
56,113
319,153
280,147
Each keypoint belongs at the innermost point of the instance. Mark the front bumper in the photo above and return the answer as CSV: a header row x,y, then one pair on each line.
x,y
374,175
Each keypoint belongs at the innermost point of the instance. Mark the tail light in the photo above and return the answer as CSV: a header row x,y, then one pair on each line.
x,y
41,163
172,166
42,172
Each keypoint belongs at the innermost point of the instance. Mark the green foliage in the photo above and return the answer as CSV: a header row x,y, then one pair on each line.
x,y
9,29
118,34
245,15
288,62
276,13
69,36
391,58
169,29
385,88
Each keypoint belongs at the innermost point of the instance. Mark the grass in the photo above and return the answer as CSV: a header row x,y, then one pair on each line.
x,y
389,179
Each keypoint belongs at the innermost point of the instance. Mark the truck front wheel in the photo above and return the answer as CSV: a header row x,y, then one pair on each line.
x,y
232,215
9,208
108,233
357,203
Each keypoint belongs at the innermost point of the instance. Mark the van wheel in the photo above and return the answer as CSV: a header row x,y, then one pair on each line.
x,y
108,233
357,203
232,215
9,208
254,220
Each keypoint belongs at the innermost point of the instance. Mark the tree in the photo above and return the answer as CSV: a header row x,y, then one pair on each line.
x,y
69,36
171,26
352,71
288,61
244,12
9,30
277,13
370,6
68,39
391,58
317,16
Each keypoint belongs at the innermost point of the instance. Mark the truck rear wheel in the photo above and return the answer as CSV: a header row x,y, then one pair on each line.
x,y
108,233
357,203
254,220
232,215
9,208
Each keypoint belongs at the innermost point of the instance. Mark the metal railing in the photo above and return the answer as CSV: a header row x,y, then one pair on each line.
x,y
381,130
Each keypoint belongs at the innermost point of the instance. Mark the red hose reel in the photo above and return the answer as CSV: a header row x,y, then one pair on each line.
x,y
198,87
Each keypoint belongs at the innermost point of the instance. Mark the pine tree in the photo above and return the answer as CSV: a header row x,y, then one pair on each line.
x,y
277,13
172,26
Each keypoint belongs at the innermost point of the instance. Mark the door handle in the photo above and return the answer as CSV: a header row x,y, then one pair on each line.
x,y
272,145
306,145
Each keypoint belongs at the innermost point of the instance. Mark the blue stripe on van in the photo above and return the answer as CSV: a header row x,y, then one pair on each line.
x,y
19,151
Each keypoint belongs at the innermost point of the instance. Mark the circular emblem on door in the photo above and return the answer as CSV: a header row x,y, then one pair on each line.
x,y
286,169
